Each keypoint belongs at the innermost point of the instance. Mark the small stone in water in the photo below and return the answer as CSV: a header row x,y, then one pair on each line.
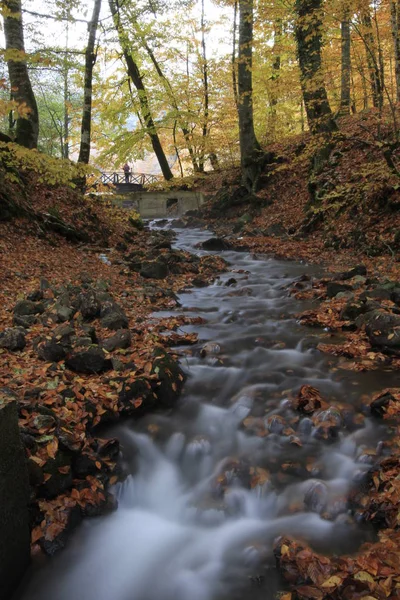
x,y
316,497
210,348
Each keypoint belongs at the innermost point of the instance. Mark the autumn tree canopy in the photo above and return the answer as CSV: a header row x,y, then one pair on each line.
x,y
197,84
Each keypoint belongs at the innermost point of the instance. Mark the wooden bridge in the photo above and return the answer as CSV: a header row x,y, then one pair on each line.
x,y
126,182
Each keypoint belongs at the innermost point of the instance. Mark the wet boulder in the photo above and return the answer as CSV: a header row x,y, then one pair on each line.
x,y
59,468
14,501
81,341
113,316
383,331
63,334
210,349
215,244
352,310
89,305
199,282
359,270
333,289
316,497
170,377
377,293
12,339
155,269
64,313
92,360
121,339
25,308
51,351
134,394
35,295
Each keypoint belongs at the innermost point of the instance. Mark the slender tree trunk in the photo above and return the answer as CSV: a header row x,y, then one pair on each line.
x,y
65,149
90,61
395,21
276,72
308,30
137,80
234,66
27,126
205,131
372,61
345,92
250,151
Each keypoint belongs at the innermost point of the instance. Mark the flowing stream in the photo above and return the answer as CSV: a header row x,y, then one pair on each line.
x,y
215,481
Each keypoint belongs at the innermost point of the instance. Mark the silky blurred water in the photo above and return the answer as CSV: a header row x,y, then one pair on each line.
x,y
207,495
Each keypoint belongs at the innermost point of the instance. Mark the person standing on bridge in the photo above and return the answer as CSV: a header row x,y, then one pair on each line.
x,y
127,171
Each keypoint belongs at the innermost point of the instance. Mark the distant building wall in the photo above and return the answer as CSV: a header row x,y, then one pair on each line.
x,y
153,205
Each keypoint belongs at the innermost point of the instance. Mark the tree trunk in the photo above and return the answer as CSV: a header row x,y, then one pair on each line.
x,y
345,92
308,30
395,21
250,151
276,72
27,127
137,80
234,78
372,61
90,61
205,131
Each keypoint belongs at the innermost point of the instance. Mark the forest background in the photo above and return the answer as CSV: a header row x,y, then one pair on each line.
x,y
118,80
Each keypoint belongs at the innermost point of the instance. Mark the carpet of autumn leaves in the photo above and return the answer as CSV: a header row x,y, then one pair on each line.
x,y
70,466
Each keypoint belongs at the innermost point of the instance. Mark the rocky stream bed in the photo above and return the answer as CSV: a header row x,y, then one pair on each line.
x,y
272,472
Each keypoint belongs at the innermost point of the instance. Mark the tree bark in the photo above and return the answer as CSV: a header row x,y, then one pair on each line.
x,y
250,151
276,73
27,126
345,92
234,78
137,80
395,21
90,61
308,31
372,61
206,92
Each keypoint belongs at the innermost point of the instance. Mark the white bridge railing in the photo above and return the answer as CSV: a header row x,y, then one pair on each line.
x,y
119,177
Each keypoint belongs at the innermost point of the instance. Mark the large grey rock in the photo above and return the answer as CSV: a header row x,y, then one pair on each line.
x,y
12,339
333,288
383,331
27,307
113,316
359,270
14,500
51,351
154,270
89,305
121,339
215,244
92,360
